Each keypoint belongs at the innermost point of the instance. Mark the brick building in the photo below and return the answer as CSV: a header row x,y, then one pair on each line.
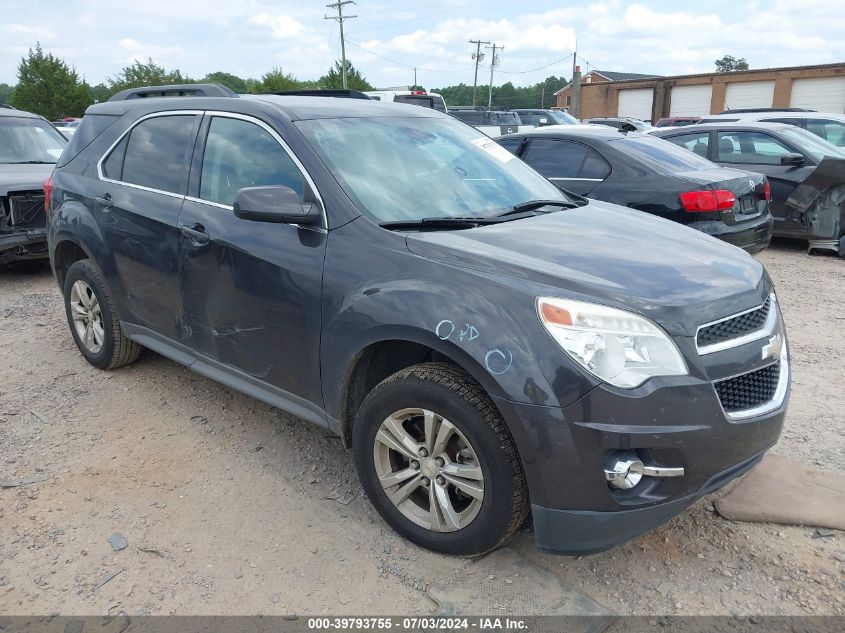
x,y
649,98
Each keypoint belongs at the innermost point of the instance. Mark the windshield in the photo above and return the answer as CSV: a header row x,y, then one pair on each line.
x,y
25,140
405,169
561,118
812,145
661,155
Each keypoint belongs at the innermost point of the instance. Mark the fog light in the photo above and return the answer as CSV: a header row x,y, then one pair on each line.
x,y
624,471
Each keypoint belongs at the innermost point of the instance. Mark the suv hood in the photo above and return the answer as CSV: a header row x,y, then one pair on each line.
x,y
674,275
23,177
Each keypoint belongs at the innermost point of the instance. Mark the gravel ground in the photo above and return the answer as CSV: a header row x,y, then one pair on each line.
x,y
229,507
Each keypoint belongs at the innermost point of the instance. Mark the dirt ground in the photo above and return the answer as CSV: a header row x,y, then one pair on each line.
x,y
230,507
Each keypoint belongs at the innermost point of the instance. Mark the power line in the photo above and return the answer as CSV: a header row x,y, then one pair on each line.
x,y
398,63
340,18
418,18
532,70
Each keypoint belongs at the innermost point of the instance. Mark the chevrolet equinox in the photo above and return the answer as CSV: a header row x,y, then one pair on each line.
x,y
489,345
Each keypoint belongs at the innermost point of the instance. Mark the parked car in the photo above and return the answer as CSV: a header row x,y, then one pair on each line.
x,y
677,121
829,126
413,97
542,118
648,174
490,122
807,174
488,345
29,148
622,123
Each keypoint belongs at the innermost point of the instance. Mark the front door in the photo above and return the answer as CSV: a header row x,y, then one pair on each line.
x,y
251,290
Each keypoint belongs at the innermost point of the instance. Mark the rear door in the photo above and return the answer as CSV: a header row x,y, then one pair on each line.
x,y
251,291
571,165
761,152
143,180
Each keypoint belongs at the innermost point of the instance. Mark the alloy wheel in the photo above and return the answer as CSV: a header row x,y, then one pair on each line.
x,y
87,316
428,470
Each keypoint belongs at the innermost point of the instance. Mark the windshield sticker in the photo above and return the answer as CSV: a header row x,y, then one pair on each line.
x,y
493,148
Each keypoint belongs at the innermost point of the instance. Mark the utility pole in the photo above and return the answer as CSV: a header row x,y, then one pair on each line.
x,y
493,62
415,77
477,56
340,18
575,106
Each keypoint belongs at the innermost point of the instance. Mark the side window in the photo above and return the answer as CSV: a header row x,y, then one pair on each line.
x,y
595,167
756,148
241,154
555,159
158,153
511,143
698,142
113,165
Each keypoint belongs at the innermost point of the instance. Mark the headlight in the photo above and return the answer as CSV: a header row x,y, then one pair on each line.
x,y
618,347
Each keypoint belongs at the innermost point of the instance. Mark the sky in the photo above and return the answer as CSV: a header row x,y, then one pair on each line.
x,y
388,38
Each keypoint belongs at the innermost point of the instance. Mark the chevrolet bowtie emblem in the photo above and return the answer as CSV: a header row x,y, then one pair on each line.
x,y
773,348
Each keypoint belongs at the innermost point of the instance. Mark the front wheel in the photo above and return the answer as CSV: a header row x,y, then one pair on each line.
x,y
438,462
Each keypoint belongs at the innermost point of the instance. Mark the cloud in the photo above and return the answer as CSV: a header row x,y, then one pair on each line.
x,y
281,26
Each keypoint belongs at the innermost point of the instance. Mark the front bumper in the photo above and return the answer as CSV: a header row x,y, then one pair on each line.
x,y
578,532
751,235
23,245
669,422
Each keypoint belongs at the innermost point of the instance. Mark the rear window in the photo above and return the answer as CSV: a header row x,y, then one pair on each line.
x,y
473,117
90,128
505,118
420,100
660,155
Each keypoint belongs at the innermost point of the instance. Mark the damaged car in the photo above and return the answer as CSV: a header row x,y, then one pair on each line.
x,y
29,149
806,172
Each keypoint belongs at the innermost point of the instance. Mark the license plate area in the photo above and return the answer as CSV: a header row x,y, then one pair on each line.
x,y
26,211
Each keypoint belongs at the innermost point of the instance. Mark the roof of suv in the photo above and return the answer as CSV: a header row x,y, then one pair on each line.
x,y
772,114
297,107
727,125
18,114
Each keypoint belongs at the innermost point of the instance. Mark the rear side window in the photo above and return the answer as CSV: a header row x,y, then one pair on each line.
x,y
697,142
113,165
510,144
556,159
158,153
89,129
595,167
829,130
241,154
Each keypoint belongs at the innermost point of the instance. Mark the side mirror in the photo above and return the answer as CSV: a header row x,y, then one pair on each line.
x,y
544,121
275,203
792,159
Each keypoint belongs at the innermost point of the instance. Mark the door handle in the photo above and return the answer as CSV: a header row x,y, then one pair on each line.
x,y
196,233
105,201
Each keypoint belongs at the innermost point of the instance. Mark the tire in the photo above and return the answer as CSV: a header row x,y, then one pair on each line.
x,y
85,294
472,515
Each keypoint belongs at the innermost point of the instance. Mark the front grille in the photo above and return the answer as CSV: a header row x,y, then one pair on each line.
x,y
749,390
26,211
734,327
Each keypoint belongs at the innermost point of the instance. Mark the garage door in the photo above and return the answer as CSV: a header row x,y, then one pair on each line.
x,y
749,94
825,94
690,100
636,103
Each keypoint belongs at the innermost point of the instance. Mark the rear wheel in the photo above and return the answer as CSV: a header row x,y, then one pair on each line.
x,y
93,321
438,462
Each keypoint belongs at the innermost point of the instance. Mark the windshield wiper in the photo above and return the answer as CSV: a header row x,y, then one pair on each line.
x,y
533,205
457,222
31,162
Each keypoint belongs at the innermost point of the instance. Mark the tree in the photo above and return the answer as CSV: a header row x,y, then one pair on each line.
x,y
354,79
730,63
227,79
47,86
539,95
6,92
141,74
101,92
276,80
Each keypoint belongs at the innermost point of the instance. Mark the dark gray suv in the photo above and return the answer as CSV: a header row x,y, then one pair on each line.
x,y
487,344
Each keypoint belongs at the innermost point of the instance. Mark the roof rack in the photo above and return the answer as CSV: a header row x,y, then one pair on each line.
x,y
752,110
175,90
324,92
